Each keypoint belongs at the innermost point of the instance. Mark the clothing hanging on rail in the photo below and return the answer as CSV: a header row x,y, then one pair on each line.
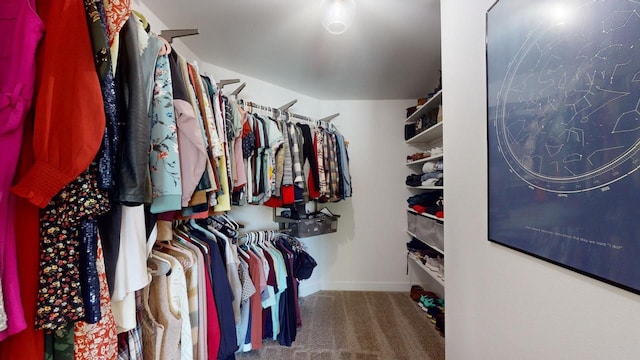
x,y
216,265
277,149
22,31
145,140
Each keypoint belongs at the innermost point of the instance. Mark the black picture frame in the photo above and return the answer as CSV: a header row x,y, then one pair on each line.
x,y
563,134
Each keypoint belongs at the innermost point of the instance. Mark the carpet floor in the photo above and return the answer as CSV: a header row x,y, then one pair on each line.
x,y
350,325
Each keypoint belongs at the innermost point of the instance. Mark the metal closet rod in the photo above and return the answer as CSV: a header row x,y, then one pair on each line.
x,y
294,115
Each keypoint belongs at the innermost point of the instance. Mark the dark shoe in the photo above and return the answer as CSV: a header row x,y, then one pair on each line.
x,y
416,292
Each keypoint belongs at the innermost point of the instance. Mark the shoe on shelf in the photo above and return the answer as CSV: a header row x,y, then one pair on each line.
x,y
327,212
416,292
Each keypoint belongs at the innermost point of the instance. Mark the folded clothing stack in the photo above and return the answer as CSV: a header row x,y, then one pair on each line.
x,y
430,202
413,180
432,173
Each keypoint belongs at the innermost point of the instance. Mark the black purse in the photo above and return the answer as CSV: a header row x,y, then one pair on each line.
x,y
303,268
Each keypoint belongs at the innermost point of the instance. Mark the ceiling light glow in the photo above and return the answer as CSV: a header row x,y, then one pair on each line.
x,y
338,15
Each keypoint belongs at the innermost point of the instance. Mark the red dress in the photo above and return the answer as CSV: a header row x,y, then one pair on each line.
x,y
70,118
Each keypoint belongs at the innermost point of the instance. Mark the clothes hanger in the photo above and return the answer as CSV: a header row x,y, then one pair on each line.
x,y
221,221
142,18
255,243
184,236
193,224
232,222
168,245
163,266
165,49
240,249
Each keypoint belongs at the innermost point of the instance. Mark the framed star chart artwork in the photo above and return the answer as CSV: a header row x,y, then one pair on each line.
x,y
563,121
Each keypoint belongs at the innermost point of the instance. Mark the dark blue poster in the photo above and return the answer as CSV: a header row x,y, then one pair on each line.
x,y
563,87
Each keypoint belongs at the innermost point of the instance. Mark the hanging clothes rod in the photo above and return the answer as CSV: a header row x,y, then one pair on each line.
x,y
277,111
169,35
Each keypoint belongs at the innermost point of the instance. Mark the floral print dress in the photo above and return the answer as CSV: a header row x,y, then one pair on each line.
x,y
164,159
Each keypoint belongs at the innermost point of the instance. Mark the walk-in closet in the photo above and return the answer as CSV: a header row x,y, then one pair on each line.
x,y
200,180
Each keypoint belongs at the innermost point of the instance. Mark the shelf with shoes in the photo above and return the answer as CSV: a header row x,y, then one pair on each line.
x,y
432,304
426,187
424,160
437,273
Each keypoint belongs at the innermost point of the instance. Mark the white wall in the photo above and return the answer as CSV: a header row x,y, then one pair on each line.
x,y
502,304
368,252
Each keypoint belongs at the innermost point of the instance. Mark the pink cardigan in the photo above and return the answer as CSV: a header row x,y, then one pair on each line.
x,y
20,32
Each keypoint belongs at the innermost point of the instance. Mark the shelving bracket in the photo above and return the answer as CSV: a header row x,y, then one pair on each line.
x,y
169,35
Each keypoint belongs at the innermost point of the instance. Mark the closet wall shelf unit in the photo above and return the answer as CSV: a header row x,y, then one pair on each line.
x,y
426,227
426,187
434,274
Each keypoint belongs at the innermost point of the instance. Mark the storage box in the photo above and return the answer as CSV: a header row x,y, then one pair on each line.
x,y
411,222
313,227
430,231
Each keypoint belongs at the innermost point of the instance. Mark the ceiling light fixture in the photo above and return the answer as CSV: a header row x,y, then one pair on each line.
x,y
338,15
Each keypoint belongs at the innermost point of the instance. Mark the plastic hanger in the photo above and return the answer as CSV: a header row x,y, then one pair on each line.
x,y
231,222
241,250
193,224
183,236
168,245
163,266
165,49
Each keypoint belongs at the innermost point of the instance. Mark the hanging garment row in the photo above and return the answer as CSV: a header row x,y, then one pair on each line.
x,y
210,296
276,148
124,131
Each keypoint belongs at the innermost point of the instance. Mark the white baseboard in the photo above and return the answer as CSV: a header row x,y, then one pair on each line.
x,y
306,289
365,286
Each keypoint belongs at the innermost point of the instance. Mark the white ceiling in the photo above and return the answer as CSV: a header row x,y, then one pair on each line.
x,y
392,50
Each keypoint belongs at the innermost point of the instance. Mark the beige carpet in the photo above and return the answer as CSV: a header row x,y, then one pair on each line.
x,y
349,325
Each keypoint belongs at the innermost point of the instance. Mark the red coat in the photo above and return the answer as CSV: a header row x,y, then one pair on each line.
x,y
69,115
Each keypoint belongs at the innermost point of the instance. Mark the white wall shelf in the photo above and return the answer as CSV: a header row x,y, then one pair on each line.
x,y
426,187
426,215
422,161
429,245
432,273
426,136
432,103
